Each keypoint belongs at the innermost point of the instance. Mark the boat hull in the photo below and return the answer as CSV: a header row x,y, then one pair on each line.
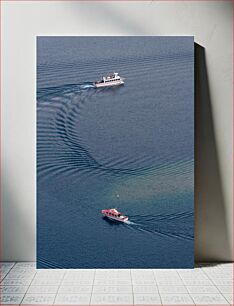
x,y
116,219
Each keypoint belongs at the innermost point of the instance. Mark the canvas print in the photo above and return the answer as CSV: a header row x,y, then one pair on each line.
x,y
115,152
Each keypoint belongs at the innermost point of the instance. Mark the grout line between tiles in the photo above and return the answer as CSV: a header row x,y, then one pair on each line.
x,y
14,263
8,272
92,287
157,288
133,302
186,287
28,287
217,287
59,287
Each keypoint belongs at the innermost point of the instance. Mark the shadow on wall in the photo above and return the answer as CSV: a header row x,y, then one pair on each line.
x,y
18,223
211,232
109,17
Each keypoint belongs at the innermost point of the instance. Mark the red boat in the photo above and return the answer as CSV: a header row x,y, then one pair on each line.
x,y
114,214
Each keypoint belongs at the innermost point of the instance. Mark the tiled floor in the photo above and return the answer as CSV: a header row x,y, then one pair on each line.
x,y
207,284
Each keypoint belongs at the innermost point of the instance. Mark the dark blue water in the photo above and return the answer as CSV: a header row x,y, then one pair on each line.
x,y
130,147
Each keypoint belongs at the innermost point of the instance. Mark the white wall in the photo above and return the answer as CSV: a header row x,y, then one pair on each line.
x,y
211,24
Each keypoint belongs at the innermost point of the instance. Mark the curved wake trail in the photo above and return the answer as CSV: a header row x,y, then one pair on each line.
x,y
64,105
62,150
171,228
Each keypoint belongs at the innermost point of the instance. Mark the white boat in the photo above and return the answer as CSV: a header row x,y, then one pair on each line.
x,y
111,80
114,214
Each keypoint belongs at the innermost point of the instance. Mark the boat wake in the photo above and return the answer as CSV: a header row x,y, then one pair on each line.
x,y
131,223
61,146
63,90
171,225
63,150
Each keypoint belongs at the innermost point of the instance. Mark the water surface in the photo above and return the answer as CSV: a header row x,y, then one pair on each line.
x,y
130,147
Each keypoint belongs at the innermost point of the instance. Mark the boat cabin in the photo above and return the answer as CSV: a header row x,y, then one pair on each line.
x,y
111,78
113,214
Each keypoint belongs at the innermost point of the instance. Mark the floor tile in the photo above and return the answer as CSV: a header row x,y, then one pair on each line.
x,y
49,276
167,275
142,273
192,270
229,297
195,277
8,264
100,271
46,282
3,275
197,282
13,289
176,299
169,282
172,289
19,276
209,299
147,299
84,271
225,289
113,272
109,277
43,289
66,289
51,271
222,276
78,277
193,273
4,270
202,289
145,289
165,271
222,282
23,270
145,278
11,298
207,285
112,282
78,274
111,299
112,289
168,279
78,282
39,299
16,282
26,264
143,282
72,299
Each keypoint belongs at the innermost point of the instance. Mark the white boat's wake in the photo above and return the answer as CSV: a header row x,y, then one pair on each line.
x,y
131,223
87,86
